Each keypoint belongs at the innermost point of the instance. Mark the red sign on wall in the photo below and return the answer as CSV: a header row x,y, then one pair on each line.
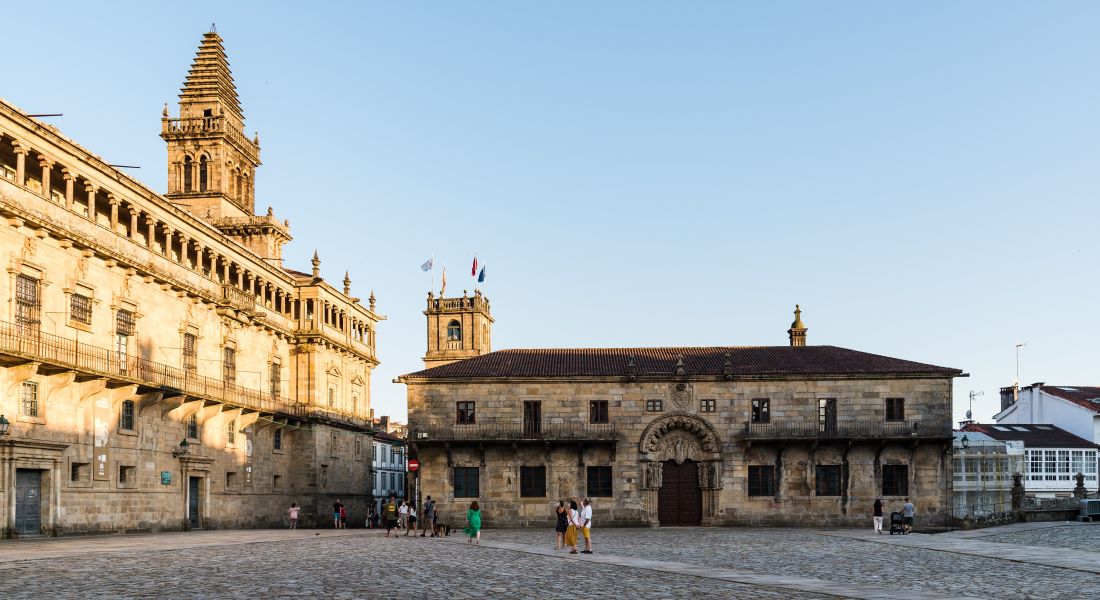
x,y
414,464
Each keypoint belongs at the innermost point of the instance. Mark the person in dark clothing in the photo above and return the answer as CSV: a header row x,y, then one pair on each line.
x,y
561,526
877,518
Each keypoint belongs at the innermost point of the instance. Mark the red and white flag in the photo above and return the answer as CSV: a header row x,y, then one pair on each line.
x,y
473,269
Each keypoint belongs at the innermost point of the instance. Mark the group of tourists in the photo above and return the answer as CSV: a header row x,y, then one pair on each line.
x,y
572,521
403,515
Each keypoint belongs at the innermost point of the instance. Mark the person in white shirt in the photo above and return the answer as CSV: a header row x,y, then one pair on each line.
x,y
403,515
586,525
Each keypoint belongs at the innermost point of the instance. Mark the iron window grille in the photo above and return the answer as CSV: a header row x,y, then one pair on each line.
x,y
599,482
80,309
29,398
124,323
654,405
827,480
465,413
229,364
231,432
193,427
273,382
126,416
895,480
597,412
762,480
190,354
466,480
532,482
28,302
761,410
708,405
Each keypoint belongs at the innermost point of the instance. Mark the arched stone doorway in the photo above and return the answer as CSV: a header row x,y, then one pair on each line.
x,y
681,467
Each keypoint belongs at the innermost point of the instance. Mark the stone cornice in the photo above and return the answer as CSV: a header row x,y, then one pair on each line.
x,y
670,378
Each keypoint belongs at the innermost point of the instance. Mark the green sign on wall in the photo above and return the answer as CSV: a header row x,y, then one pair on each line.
x,y
166,478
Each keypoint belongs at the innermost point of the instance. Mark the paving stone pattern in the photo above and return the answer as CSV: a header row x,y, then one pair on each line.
x,y
807,553
1076,537
348,566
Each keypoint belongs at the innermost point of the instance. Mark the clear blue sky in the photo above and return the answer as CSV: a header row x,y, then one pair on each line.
x,y
921,177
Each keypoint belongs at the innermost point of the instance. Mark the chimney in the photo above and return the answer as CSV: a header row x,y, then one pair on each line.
x,y
1008,396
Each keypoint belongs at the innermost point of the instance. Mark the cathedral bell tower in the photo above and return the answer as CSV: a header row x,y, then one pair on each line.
x,y
211,162
458,328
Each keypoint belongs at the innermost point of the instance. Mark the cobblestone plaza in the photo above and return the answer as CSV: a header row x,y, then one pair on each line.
x,y
1018,561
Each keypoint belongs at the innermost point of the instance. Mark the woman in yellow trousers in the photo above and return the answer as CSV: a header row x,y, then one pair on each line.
x,y
571,531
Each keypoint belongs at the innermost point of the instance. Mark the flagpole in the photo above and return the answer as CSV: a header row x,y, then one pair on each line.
x,y
432,289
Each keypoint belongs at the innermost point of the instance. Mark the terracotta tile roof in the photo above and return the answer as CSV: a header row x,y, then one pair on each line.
x,y
1088,397
389,437
614,362
1032,435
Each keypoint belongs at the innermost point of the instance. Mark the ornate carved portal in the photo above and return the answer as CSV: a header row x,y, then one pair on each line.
x,y
686,447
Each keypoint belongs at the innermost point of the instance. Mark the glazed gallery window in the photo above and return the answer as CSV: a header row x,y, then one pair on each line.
x,y
124,329
895,409
464,413
532,482
599,482
654,405
762,480
28,399
466,482
454,332
827,478
80,309
761,410
597,411
707,405
126,416
895,480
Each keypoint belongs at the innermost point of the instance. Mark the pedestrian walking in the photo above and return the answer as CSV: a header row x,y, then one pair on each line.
x,y
370,518
877,518
908,511
473,523
336,506
571,530
293,513
429,517
343,517
561,526
586,525
389,516
411,519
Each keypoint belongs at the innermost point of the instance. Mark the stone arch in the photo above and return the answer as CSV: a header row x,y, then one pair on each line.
x,y
703,431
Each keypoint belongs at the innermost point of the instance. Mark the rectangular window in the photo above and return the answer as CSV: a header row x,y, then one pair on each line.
x,y
895,409
193,427
230,479
828,480
761,410
79,471
895,480
466,482
334,445
231,432
465,413
274,378
125,323
80,309
277,439
599,482
826,415
190,354
277,482
28,303
126,474
332,396
597,412
654,406
708,405
1063,465
126,416
358,447
761,480
532,482
28,396
1090,464
1051,468
229,364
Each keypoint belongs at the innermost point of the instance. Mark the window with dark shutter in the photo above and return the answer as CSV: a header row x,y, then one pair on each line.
x,y
28,303
126,416
532,482
827,479
895,480
597,411
599,481
464,413
80,309
761,410
895,409
761,480
190,355
466,482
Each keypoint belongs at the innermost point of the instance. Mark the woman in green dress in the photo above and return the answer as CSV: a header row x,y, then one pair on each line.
x,y
473,523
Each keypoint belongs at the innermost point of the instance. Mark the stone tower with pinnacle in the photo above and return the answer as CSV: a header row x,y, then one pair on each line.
x,y
211,162
458,328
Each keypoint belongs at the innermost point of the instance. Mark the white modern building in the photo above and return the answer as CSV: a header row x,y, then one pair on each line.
x,y
1073,408
1053,456
983,468
389,464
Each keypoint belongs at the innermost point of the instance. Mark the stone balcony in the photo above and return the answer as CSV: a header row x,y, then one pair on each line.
x,y
504,430
845,430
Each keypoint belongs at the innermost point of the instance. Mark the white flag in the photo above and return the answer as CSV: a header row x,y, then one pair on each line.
x,y
427,266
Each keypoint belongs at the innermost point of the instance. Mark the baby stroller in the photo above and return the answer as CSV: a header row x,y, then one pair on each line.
x,y
897,523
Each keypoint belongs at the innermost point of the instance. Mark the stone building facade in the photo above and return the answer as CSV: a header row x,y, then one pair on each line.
x,y
787,435
159,366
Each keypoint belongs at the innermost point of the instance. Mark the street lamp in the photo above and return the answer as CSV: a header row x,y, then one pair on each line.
x,y
4,424
183,450
965,442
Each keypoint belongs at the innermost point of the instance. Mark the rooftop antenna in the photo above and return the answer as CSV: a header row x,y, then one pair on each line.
x,y
1016,383
970,412
125,166
40,115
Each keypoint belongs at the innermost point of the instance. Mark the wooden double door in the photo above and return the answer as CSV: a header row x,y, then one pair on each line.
x,y
680,501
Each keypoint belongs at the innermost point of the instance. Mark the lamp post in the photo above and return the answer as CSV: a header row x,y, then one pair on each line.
x,y
4,424
183,450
